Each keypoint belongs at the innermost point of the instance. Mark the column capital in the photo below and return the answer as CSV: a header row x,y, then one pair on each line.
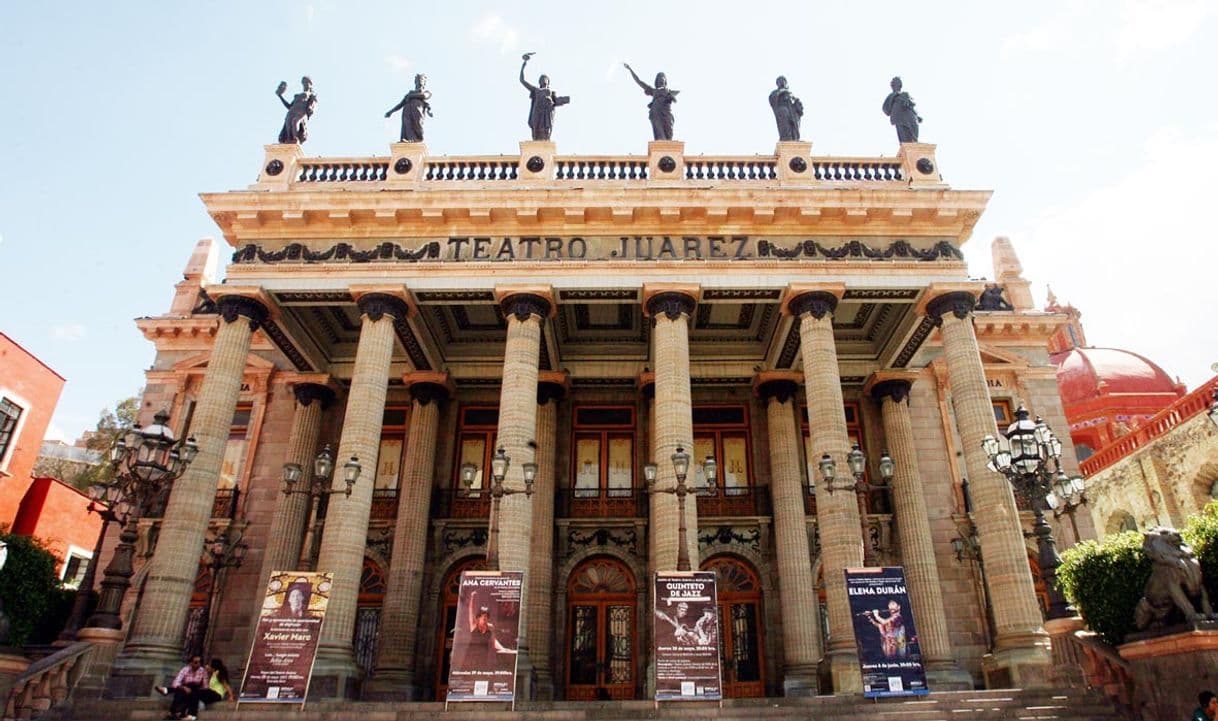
x,y
249,302
671,304
306,393
670,299
377,301
779,385
819,299
897,389
428,386
889,384
645,384
552,386
958,298
526,305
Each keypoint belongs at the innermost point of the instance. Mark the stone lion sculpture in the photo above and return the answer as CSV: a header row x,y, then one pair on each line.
x,y
1174,592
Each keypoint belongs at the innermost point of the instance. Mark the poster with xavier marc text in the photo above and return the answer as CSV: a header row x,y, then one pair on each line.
x,y
483,664
884,632
686,637
285,644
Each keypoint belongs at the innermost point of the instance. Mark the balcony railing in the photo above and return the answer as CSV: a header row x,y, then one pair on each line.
x,y
566,171
384,504
225,505
460,503
1160,424
601,503
736,501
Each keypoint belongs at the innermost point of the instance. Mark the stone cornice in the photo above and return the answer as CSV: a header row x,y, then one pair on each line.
x,y
245,216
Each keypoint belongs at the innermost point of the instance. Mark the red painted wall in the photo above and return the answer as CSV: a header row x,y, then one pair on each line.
x,y
35,387
57,514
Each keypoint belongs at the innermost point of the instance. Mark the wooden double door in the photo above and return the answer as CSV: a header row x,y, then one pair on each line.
x,y
602,631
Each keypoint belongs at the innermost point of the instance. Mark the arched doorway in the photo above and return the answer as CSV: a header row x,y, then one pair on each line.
x,y
600,643
740,631
448,619
368,614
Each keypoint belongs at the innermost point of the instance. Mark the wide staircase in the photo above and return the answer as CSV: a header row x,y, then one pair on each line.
x,y
1012,704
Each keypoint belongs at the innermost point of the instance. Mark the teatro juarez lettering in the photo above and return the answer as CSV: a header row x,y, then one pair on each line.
x,y
607,248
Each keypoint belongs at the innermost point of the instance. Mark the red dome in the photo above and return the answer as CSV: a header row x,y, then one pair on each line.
x,y
1085,374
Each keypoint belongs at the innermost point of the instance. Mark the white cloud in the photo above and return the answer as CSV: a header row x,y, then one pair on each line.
x,y
1137,255
1157,24
310,12
493,29
55,433
1132,28
68,331
398,63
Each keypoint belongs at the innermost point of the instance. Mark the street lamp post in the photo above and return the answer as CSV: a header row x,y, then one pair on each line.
x,y
680,465
1029,455
319,485
500,462
146,462
225,550
857,461
1066,497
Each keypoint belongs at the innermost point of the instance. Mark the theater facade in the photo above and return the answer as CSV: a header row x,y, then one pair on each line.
x,y
592,314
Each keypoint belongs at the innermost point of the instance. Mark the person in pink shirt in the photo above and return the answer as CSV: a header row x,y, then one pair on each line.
x,y
185,687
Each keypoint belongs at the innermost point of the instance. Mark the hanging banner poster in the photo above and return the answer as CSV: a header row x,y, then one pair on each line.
x,y
285,643
686,637
484,642
884,633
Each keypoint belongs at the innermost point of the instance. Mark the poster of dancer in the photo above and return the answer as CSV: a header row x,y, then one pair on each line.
x,y
884,632
484,641
285,644
686,637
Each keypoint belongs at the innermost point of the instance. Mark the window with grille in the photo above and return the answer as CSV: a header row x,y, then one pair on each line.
x,y
9,414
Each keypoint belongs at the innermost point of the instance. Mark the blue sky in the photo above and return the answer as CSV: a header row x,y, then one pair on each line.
x,y
1095,123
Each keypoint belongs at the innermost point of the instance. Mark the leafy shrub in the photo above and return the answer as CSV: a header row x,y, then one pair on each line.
x,y
29,586
1104,581
1201,532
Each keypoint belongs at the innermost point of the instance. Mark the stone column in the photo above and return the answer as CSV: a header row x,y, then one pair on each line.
x,y
154,645
345,537
395,653
1021,646
551,388
917,543
516,436
796,586
837,513
292,511
673,425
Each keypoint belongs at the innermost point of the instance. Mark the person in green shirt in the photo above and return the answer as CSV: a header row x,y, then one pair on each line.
x,y
1208,708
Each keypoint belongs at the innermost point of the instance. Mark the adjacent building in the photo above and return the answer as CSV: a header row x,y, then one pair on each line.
x,y
31,504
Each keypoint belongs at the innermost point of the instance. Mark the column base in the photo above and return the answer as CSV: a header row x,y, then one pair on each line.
x,y
948,676
526,680
1018,666
335,675
800,681
394,685
844,668
543,686
137,669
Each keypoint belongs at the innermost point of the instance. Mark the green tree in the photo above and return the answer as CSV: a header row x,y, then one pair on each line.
x,y
30,590
111,425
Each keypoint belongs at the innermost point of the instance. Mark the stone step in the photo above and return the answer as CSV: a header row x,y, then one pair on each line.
x,y
1002,705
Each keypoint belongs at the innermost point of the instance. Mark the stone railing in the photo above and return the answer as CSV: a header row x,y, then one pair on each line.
x,y
47,682
1105,671
1160,424
409,167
